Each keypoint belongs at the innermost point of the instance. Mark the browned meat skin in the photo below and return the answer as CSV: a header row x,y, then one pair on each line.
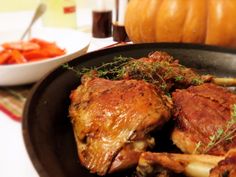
x,y
226,167
107,116
199,112
164,71
159,56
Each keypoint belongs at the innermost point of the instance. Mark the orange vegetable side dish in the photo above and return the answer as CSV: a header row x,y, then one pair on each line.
x,y
29,51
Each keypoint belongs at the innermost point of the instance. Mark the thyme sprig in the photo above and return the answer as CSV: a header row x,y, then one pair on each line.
x,y
148,71
121,67
221,135
113,69
197,147
197,81
162,74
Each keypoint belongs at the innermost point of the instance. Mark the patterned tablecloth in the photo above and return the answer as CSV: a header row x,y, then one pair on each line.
x,y
12,100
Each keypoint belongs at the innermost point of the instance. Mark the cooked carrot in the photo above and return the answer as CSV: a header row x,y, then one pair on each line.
x,y
50,46
21,45
48,52
53,51
18,57
4,56
35,55
40,42
28,51
10,61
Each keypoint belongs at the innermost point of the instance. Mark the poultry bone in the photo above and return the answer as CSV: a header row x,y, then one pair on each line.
x,y
194,165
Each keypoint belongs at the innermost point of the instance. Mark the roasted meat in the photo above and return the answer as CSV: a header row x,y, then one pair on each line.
x,y
164,71
169,164
205,119
112,120
226,167
158,68
194,165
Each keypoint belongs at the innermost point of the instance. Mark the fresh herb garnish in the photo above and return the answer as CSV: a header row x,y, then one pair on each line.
x,y
197,81
221,135
198,145
162,74
113,69
148,71
179,78
121,67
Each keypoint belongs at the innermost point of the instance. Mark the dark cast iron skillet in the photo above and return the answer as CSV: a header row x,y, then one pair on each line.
x,y
46,127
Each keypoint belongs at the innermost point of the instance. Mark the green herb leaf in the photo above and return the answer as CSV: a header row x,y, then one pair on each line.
x,y
197,81
198,145
179,78
221,134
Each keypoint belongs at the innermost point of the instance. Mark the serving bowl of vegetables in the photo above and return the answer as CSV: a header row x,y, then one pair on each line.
x,y
25,62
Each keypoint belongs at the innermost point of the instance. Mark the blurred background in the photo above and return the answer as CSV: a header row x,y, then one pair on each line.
x,y
14,5
23,11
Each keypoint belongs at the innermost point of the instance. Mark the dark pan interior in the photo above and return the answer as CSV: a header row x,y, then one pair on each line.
x,y
46,127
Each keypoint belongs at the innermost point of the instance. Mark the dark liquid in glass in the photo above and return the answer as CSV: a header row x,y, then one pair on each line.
x,y
119,33
102,22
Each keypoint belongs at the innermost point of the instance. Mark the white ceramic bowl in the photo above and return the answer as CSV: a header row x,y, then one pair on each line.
x,y
76,43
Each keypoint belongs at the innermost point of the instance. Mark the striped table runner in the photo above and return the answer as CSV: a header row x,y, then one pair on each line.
x,y
12,100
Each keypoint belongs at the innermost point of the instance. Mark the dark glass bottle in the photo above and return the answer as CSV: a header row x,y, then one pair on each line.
x,y
102,23
119,33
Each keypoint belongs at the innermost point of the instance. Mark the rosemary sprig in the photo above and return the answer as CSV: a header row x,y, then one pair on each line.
x,y
221,134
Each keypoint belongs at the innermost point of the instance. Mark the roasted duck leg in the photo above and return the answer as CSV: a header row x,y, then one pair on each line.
x,y
205,119
165,72
154,164
162,70
112,120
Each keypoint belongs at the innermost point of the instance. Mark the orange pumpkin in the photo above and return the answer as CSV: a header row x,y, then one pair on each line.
x,y
210,22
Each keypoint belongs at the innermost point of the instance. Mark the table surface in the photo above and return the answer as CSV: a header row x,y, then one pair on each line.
x,y
14,159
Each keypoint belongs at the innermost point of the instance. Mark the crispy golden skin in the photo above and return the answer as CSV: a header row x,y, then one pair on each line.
x,y
108,117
